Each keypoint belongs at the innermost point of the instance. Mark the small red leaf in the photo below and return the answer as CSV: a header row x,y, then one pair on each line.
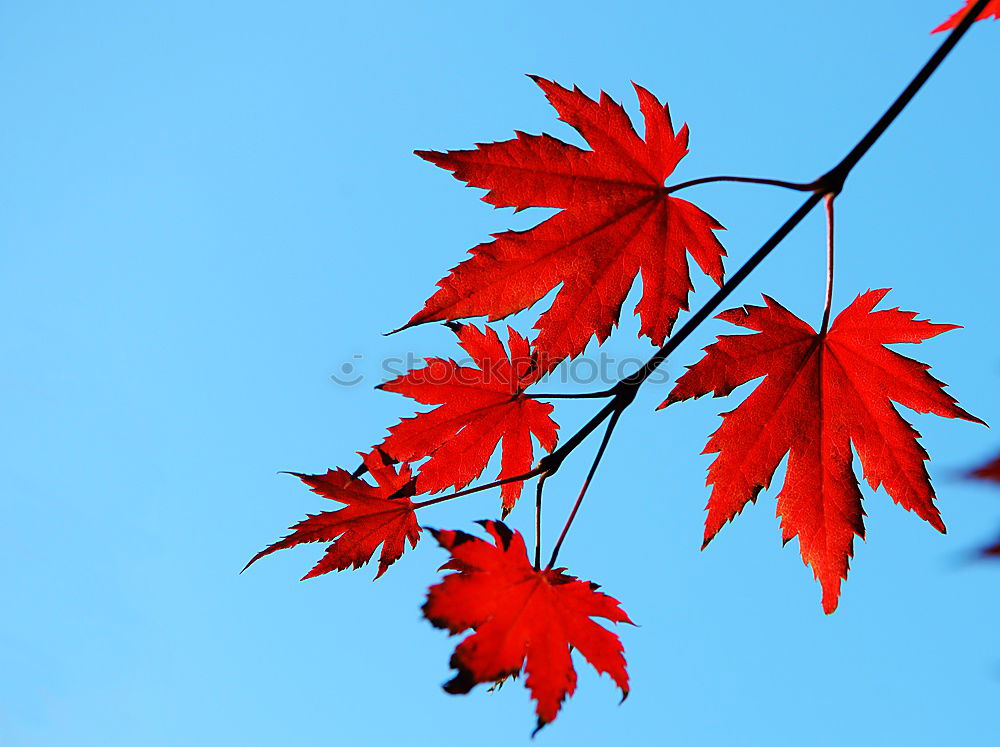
x,y
477,409
992,9
372,516
522,618
820,394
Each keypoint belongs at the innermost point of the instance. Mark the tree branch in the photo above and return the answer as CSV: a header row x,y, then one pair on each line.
x,y
825,187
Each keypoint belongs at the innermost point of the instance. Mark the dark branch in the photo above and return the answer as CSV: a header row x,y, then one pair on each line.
x,y
624,392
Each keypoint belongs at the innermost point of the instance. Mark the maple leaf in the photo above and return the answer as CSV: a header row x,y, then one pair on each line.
x,y
522,618
992,9
477,409
820,394
372,516
616,220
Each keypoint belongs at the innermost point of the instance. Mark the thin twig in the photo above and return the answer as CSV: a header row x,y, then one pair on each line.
x,y
586,484
480,488
828,199
538,522
569,395
797,186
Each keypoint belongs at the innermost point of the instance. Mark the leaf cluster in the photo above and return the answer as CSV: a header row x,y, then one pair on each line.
x,y
820,396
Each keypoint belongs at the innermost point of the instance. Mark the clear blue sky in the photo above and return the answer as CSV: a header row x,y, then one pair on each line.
x,y
209,208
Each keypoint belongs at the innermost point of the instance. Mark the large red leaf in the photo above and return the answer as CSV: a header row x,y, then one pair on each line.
x,y
616,220
992,9
477,408
820,394
522,618
372,516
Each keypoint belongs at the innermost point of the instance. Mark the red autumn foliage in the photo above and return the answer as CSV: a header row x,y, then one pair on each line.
x,y
821,394
992,9
616,220
372,516
522,618
477,409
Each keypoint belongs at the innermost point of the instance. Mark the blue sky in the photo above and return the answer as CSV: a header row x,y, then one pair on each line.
x,y
210,208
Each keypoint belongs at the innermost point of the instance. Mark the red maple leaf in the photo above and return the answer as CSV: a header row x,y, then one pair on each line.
x,y
992,9
616,220
478,407
820,394
522,617
372,516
